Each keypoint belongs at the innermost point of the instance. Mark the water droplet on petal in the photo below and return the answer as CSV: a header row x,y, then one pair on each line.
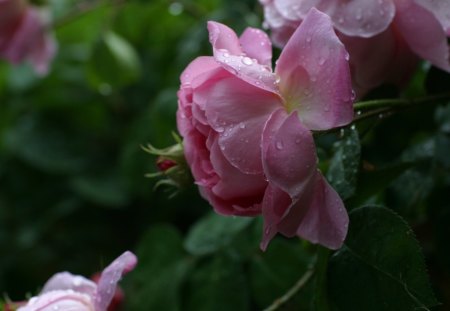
x,y
242,126
220,129
247,61
279,145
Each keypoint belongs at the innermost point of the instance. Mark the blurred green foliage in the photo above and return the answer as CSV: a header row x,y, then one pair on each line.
x,y
73,194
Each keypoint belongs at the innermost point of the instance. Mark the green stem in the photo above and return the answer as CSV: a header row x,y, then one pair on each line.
x,y
400,102
279,302
321,296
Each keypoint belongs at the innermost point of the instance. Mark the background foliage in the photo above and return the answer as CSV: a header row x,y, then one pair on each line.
x,y
73,194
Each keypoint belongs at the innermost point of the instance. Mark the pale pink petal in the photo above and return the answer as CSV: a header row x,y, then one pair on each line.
x,y
274,206
59,300
440,8
42,54
372,59
326,220
315,74
224,38
198,67
288,155
66,280
423,33
256,44
233,184
197,156
281,35
238,111
272,16
362,18
233,59
110,277
292,10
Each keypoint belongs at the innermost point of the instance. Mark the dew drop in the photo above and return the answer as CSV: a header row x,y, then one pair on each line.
x,y
321,61
242,126
279,145
220,129
247,61
359,14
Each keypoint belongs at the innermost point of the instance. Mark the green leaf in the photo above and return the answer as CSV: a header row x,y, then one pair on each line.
x,y
373,182
217,285
155,283
380,267
107,189
214,232
275,271
344,165
46,146
114,62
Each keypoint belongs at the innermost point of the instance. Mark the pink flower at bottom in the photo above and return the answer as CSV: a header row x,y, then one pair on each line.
x,y
247,129
67,292
385,38
24,35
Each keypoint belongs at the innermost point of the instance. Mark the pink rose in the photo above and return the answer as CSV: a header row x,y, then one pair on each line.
x,y
247,129
24,35
385,38
67,292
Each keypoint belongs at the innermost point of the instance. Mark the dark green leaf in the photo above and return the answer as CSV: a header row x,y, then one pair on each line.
x,y
275,271
155,283
344,165
213,232
380,267
217,285
371,183
114,62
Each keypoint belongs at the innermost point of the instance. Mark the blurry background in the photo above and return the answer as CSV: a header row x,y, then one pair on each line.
x,y
73,195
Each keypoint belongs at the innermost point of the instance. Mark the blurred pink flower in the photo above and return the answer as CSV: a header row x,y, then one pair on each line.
x,y
247,129
385,38
24,35
67,292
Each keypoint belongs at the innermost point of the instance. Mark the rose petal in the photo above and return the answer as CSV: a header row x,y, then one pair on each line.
x,y
256,44
274,206
371,59
233,59
223,38
199,66
110,277
59,300
315,74
288,153
66,280
281,35
362,18
423,33
440,8
272,16
233,184
326,220
238,112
